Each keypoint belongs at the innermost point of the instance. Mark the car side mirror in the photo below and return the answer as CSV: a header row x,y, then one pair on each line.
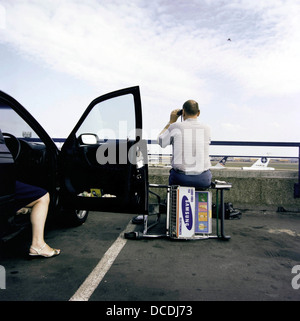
x,y
88,139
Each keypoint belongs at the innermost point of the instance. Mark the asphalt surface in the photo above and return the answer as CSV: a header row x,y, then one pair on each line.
x,y
255,264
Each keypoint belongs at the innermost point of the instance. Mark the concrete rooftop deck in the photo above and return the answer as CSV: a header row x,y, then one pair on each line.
x,y
255,264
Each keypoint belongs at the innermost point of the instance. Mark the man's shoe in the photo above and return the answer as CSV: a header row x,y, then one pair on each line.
x,y
138,219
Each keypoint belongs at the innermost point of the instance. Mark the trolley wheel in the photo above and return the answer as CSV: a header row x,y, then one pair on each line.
x,y
131,235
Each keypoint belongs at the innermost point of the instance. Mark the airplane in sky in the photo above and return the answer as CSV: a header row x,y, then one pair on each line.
x,y
260,164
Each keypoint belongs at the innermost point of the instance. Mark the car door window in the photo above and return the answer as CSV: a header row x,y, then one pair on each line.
x,y
111,119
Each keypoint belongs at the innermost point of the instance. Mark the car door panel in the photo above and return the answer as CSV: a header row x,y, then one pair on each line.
x,y
111,174
122,186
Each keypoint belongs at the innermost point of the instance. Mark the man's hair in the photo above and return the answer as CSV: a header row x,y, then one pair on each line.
x,y
191,107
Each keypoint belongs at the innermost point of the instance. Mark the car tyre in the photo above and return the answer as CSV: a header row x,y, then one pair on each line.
x,y
75,217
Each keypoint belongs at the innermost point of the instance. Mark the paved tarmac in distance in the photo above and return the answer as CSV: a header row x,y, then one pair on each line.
x,y
255,264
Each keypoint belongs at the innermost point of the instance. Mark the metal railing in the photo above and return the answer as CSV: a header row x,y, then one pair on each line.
x,y
258,144
237,143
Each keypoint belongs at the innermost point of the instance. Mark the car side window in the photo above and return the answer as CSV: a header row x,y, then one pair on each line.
x,y
111,119
12,123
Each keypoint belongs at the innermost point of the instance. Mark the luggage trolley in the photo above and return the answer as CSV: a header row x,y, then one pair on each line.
x,y
188,213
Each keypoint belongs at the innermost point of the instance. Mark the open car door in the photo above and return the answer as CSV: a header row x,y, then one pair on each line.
x,y
104,160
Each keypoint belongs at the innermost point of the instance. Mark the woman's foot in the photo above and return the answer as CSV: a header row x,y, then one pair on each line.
x,y
24,210
44,251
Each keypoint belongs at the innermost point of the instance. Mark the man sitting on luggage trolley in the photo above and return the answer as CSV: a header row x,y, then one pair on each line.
x,y
190,142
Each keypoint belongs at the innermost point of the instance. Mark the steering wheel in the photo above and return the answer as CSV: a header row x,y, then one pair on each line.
x,y
15,147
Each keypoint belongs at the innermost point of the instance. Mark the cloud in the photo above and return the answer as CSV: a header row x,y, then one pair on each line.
x,y
2,17
175,50
159,44
231,127
265,56
114,44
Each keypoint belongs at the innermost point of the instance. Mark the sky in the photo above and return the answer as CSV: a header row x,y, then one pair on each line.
x,y
238,58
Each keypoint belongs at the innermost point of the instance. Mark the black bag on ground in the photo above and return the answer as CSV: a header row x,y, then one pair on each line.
x,y
230,212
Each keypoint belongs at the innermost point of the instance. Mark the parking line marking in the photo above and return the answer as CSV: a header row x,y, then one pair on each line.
x,y
95,277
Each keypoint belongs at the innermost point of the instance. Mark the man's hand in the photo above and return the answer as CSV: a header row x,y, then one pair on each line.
x,y
174,116
173,119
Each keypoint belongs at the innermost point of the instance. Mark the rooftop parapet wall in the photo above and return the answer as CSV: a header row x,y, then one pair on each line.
x,y
262,190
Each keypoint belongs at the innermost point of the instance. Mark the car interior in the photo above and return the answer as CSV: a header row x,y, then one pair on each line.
x,y
32,161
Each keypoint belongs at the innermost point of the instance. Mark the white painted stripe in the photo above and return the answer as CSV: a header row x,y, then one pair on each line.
x,y
93,280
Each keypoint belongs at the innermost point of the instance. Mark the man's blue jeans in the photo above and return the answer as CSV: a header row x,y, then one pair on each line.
x,y
202,180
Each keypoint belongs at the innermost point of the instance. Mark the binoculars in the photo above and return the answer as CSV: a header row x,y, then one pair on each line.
x,y
179,113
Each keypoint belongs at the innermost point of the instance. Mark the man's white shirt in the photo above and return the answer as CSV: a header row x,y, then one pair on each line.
x,y
190,142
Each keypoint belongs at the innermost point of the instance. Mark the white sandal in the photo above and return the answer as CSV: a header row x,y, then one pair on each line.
x,y
54,252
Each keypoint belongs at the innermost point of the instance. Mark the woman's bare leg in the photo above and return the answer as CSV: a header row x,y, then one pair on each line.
x,y
38,219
